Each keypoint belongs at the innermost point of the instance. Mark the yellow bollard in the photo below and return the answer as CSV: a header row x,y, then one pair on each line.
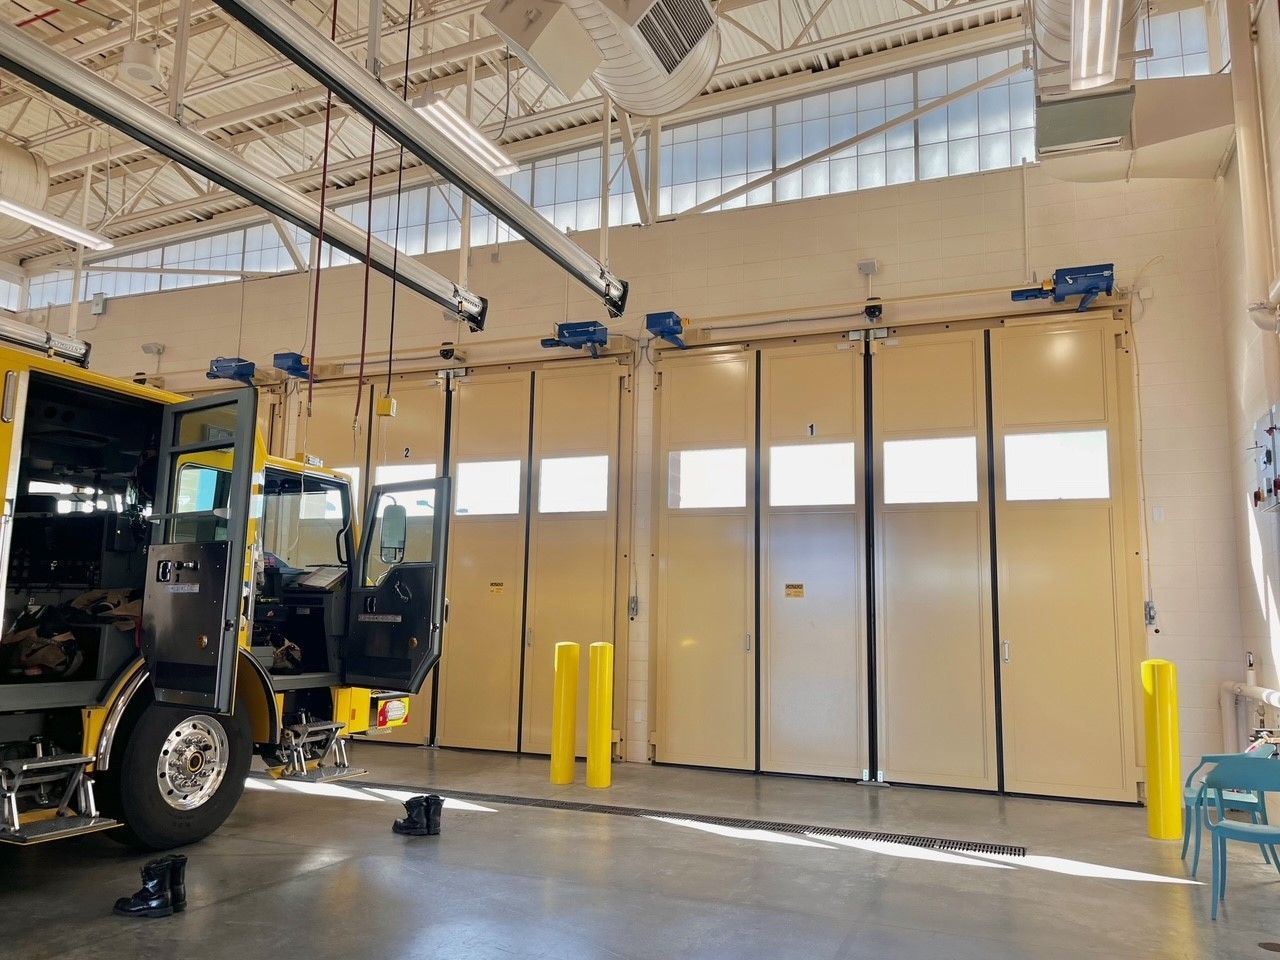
x,y
1164,763
564,713
600,715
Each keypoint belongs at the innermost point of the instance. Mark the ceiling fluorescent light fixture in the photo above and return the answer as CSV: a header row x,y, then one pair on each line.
x,y
1095,42
466,135
51,224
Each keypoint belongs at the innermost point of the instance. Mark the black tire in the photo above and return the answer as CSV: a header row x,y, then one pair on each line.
x,y
135,791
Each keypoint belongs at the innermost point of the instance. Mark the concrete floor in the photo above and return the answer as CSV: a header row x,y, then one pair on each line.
x,y
305,875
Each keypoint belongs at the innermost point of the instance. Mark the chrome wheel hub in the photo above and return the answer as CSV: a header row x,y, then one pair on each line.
x,y
192,762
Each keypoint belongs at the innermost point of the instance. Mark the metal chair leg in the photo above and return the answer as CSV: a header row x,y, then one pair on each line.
x,y
1195,860
1213,895
1186,829
1262,815
1253,818
1222,874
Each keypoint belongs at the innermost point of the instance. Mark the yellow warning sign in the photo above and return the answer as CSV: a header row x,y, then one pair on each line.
x,y
497,586
793,590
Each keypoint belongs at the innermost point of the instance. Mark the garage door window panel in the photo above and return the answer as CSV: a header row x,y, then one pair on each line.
x,y
1067,465
812,475
931,470
707,479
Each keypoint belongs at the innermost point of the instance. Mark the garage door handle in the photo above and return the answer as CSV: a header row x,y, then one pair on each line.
x,y
748,643
1005,646
528,637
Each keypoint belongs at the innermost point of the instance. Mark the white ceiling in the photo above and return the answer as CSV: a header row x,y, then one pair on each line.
x,y
242,95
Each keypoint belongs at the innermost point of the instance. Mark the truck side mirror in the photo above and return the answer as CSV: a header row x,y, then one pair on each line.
x,y
393,534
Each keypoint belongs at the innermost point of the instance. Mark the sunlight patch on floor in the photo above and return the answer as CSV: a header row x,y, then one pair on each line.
x,y
1081,868
350,791
738,833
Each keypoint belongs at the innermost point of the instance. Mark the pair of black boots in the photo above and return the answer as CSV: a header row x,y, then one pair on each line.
x,y
422,817
164,889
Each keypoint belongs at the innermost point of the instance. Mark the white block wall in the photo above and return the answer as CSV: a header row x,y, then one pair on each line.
x,y
946,235
1253,364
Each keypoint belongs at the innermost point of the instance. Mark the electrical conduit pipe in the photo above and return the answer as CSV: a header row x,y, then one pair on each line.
x,y
1260,299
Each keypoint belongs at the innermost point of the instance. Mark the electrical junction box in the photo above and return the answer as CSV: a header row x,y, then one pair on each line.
x,y
1265,494
548,38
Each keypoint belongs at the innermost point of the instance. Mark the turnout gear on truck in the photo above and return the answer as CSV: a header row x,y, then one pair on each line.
x,y
42,642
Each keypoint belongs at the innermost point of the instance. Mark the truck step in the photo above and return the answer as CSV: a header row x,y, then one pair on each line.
x,y
60,773
55,828
323,739
325,774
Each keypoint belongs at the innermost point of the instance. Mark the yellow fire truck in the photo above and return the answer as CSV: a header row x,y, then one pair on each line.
x,y
176,602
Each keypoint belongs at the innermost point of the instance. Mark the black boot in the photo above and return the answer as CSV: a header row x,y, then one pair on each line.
x,y
434,807
422,817
153,899
177,881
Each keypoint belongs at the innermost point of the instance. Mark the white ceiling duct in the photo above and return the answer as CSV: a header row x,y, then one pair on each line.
x,y
1172,127
1079,43
24,178
1094,122
651,56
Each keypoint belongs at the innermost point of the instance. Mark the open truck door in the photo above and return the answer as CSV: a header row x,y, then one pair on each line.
x,y
397,600
195,584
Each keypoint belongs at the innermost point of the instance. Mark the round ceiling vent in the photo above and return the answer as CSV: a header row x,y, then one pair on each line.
x,y
140,64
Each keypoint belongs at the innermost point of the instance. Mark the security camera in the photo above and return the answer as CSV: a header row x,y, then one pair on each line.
x,y
873,309
448,352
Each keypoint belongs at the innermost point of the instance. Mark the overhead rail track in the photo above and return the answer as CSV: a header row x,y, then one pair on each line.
x,y
85,90
290,34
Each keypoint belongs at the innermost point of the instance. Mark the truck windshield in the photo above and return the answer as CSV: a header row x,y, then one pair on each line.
x,y
303,517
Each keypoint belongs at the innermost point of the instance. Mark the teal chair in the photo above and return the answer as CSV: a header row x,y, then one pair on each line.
x,y
1195,796
1241,772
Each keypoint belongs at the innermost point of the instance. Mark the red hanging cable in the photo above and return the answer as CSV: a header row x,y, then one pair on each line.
x,y
324,189
368,245
36,18
395,251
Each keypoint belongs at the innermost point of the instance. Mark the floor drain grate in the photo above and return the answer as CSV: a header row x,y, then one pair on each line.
x,y
774,826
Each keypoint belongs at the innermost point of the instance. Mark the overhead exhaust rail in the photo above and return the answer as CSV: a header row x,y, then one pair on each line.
x,y
85,90
292,36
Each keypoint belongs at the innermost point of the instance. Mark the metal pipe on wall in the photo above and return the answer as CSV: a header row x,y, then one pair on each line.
x,y
1251,162
294,37
32,60
1229,694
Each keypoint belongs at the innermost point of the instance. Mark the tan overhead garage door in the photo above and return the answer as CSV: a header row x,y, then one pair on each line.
x,y
533,547
1000,512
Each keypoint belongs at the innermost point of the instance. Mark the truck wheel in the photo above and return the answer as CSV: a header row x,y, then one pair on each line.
x,y
180,775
